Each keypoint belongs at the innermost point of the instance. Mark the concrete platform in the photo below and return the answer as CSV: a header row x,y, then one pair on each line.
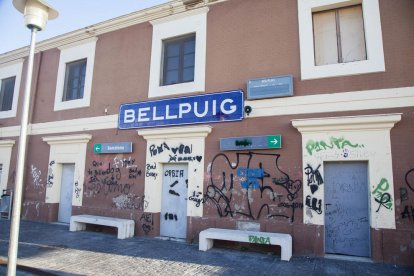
x,y
50,249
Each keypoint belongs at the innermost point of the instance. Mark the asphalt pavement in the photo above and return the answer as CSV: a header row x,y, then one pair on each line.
x,y
50,249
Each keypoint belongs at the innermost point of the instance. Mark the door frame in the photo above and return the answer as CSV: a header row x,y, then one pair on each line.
x,y
66,149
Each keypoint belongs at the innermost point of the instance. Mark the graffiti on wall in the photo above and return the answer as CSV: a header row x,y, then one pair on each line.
x,y
150,170
333,143
313,177
115,178
408,212
267,185
250,177
382,196
182,153
36,178
112,177
50,175
314,204
129,202
77,189
409,179
147,222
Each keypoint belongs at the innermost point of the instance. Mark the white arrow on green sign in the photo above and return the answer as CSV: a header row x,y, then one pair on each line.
x,y
97,148
274,141
251,142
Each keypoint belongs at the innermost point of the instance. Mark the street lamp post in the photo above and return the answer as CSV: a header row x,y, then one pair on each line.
x,y
36,13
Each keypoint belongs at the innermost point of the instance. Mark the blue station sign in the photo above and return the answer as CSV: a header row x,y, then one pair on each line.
x,y
207,108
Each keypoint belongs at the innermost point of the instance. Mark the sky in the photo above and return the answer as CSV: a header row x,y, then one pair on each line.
x,y
73,15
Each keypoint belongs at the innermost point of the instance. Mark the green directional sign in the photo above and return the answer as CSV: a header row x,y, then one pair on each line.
x,y
274,141
120,147
251,142
97,148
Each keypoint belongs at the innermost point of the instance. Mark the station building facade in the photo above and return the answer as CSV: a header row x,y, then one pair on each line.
x,y
275,115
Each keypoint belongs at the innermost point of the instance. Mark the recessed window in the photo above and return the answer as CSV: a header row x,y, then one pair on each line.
x,y
339,38
74,80
75,74
178,54
339,35
6,93
179,60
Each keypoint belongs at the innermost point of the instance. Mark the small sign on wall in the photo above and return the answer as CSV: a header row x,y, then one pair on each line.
x,y
272,87
251,142
123,147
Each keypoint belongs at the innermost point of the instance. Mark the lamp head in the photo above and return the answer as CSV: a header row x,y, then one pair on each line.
x,y
36,12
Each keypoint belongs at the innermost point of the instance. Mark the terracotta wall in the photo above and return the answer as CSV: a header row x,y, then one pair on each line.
x,y
245,40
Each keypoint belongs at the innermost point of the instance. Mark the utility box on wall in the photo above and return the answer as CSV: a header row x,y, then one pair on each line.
x,y
272,87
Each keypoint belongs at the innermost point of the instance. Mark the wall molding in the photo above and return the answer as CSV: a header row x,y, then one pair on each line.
x,y
68,139
176,132
313,104
363,123
334,102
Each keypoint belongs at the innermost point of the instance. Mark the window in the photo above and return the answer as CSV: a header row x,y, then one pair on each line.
x,y
339,38
75,72
6,93
339,35
10,75
74,80
179,54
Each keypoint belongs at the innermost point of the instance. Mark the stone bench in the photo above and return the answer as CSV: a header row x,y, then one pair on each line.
x,y
207,237
126,227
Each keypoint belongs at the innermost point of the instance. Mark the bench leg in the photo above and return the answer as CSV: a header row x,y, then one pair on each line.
x,y
286,251
126,230
131,230
77,226
205,244
122,231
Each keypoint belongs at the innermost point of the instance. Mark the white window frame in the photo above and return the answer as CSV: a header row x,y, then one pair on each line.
x,y
373,39
69,53
194,21
8,70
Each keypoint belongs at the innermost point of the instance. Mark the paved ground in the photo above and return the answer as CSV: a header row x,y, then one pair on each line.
x,y
50,249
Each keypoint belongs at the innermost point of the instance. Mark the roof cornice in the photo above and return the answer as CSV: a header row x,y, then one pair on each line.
x,y
141,16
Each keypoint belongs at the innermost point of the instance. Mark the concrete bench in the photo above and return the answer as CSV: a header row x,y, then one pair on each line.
x,y
126,227
207,237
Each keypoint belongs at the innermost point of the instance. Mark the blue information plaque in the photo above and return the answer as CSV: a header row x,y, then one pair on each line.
x,y
273,87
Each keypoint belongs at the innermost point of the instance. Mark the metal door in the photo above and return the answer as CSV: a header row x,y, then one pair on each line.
x,y
66,192
347,229
174,201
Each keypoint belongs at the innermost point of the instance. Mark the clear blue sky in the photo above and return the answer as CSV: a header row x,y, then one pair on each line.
x,y
73,15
